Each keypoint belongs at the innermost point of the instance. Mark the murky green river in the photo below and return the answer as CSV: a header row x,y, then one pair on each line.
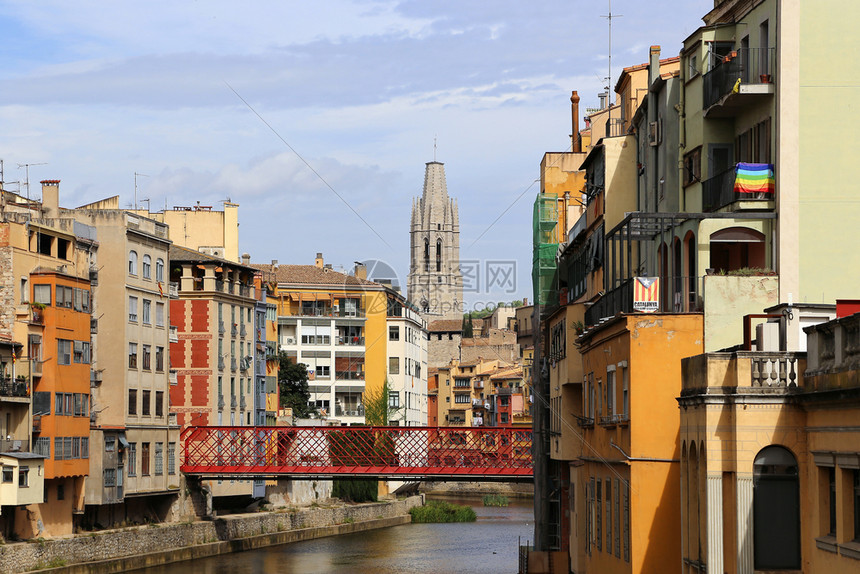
x,y
487,545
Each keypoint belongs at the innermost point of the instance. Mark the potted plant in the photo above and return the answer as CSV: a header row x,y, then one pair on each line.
x,y
37,311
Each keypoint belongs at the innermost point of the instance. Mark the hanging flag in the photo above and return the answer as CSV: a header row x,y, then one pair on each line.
x,y
160,290
754,178
646,294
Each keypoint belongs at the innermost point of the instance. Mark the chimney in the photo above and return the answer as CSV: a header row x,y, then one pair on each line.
x,y
51,197
246,259
360,270
654,65
319,262
525,301
274,264
603,96
576,144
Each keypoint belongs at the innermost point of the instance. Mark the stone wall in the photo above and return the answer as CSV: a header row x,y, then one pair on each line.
x,y
163,543
440,353
456,489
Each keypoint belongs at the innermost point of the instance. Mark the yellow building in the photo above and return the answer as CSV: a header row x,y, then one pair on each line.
x,y
336,324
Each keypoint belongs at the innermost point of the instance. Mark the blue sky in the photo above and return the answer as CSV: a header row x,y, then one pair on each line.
x,y
359,88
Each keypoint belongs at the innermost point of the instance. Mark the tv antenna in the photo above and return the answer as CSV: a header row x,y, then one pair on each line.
x,y
135,187
26,167
609,18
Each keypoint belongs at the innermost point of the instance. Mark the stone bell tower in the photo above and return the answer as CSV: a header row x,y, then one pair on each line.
x,y
435,283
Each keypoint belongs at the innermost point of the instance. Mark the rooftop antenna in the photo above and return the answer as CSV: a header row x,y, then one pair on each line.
x,y
434,147
26,166
135,187
609,18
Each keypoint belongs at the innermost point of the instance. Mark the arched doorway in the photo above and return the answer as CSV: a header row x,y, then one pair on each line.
x,y
776,509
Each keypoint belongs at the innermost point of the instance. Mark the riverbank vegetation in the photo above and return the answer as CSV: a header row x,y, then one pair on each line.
x,y
495,500
439,511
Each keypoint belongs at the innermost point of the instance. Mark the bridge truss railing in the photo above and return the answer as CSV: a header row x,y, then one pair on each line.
x,y
417,452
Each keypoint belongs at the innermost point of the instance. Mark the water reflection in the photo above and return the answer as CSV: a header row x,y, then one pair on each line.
x,y
487,545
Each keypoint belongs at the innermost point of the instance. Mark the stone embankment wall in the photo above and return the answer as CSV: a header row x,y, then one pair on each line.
x,y
509,489
142,546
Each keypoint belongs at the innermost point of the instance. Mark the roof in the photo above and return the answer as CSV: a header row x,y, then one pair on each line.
x,y
446,325
23,455
179,253
311,275
514,372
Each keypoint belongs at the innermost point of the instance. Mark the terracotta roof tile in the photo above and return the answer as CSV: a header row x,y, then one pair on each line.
x,y
445,325
310,275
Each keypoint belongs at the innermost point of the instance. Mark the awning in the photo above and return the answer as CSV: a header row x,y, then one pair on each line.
x,y
122,442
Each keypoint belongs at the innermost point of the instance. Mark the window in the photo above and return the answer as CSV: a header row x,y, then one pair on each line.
x,y
776,500
132,309
110,477
132,459
159,458
146,406
23,476
147,357
8,473
147,267
42,294
159,359
147,315
132,401
42,446
41,403
393,365
61,492
85,447
132,262
503,418
462,399
144,458
692,65
610,391
171,458
58,448
82,352
110,443
693,167
64,352
65,296
159,270
856,474
598,532
159,314
81,404
159,403
132,355
394,333
626,533
625,390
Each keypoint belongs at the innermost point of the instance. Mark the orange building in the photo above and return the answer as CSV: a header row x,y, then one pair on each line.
x,y
61,398
433,397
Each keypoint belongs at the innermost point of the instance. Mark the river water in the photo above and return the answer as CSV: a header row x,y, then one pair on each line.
x,y
488,545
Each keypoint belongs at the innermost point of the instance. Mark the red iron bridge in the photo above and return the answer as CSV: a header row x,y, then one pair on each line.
x,y
404,453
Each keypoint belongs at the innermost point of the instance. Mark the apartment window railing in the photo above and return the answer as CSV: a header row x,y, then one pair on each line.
x,y
352,341
13,388
747,65
719,191
350,375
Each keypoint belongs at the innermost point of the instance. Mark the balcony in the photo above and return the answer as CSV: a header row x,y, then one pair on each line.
x,y
479,384
245,290
350,341
37,424
233,403
221,402
349,375
221,365
747,372
14,445
618,300
36,367
315,311
242,405
736,82
173,290
174,334
349,410
719,191
243,332
234,330
13,388
172,378
348,313
233,364
221,329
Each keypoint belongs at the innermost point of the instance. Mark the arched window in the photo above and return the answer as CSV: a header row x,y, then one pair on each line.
x,y
776,501
690,271
132,262
147,267
426,254
737,248
438,255
159,270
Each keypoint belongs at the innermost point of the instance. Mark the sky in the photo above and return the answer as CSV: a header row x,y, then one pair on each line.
x,y
317,118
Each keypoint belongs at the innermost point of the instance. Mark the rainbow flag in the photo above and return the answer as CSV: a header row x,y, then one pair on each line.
x,y
754,178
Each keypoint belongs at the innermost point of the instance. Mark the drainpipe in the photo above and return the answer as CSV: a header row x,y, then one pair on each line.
x,y
682,132
653,74
640,458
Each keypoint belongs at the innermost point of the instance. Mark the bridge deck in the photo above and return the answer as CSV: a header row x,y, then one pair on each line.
x,y
434,453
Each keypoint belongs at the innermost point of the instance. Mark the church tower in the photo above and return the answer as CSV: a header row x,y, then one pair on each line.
x,y
435,281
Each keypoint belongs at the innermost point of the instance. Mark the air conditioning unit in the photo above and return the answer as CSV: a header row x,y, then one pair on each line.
x,y
291,340
654,135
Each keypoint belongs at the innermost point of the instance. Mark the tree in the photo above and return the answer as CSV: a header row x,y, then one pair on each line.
x,y
293,386
377,405
468,328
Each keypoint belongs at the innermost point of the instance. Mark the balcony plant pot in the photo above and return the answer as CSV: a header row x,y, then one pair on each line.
x,y
765,78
